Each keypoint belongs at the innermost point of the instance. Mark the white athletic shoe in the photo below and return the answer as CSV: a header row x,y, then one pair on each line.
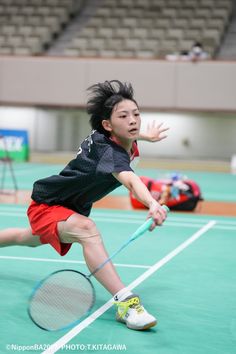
x,y
132,313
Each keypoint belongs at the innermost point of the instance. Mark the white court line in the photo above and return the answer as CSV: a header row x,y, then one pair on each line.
x,y
68,261
130,214
115,220
136,215
132,217
174,222
225,225
81,326
137,221
27,171
19,214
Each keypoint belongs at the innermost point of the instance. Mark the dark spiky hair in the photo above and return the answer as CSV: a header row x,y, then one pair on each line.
x,y
104,97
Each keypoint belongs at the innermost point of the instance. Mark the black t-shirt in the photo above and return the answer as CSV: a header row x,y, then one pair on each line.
x,y
87,178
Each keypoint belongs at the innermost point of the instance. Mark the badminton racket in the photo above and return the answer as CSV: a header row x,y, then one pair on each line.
x,y
65,297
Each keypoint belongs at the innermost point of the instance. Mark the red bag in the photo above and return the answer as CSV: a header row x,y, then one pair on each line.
x,y
175,192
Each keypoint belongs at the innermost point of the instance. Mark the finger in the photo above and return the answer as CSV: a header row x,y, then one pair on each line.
x,y
164,129
153,124
163,211
161,216
157,221
162,137
152,227
159,125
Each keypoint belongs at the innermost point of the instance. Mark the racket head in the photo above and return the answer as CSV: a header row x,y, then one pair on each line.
x,y
61,300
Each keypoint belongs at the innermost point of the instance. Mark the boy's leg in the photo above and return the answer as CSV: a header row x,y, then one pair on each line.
x,y
78,228
18,237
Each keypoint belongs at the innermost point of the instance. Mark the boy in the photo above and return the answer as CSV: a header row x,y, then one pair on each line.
x,y
61,204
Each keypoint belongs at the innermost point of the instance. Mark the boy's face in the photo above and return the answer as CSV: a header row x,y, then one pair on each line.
x,y
125,121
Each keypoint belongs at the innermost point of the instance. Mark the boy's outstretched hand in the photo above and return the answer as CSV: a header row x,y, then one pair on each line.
x,y
154,132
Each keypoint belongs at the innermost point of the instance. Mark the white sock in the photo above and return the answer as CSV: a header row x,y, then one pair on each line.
x,y
122,294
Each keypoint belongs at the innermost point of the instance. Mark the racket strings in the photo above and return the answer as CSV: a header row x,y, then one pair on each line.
x,y
62,299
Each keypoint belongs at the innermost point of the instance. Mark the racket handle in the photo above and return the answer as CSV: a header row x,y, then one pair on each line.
x,y
145,226
165,207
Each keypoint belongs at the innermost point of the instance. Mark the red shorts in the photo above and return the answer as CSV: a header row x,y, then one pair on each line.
x,y
43,220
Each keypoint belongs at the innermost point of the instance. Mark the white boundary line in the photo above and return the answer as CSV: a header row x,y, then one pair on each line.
x,y
133,214
68,261
174,222
136,214
135,219
81,326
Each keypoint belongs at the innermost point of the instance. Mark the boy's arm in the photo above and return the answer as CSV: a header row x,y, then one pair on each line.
x,y
153,133
134,184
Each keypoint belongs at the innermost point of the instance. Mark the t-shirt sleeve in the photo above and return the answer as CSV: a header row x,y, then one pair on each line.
x,y
114,160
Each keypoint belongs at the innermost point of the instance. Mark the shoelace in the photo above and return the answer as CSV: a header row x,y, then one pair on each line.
x,y
123,306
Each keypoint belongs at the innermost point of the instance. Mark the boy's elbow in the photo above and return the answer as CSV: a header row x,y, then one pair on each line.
x,y
127,179
128,185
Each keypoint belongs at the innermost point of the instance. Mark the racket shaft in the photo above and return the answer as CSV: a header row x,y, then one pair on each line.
x,y
139,232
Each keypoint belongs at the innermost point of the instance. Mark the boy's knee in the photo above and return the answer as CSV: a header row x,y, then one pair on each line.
x,y
80,231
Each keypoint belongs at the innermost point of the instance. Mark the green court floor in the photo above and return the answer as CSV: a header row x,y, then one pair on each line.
x,y
214,186
184,272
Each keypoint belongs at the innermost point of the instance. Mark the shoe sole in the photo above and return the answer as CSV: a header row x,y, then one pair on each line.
x,y
149,325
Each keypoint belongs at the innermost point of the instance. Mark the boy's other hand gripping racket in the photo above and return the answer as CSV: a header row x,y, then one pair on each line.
x,y
65,297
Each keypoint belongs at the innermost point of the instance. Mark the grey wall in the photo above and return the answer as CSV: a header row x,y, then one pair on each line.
x,y
191,135
158,84
196,100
